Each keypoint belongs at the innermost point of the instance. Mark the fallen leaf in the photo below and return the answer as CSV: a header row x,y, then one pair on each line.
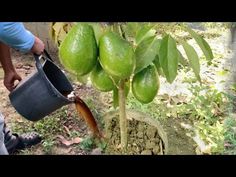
x,y
67,130
57,27
19,120
97,151
179,99
62,34
76,140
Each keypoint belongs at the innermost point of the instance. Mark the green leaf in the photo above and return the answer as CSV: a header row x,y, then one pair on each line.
x,y
156,62
146,52
206,49
169,56
193,59
131,29
145,32
182,60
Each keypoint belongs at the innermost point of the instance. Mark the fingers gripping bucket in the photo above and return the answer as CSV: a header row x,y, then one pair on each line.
x,y
41,93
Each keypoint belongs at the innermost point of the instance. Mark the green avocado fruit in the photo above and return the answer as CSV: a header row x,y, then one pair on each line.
x,y
145,84
100,79
116,55
78,52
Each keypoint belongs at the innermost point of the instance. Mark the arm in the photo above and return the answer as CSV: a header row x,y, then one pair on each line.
x,y
10,74
15,35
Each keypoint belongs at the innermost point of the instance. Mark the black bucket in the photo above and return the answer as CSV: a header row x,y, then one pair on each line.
x,y
42,92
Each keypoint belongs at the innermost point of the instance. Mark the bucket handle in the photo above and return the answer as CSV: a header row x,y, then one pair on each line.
x,y
47,55
38,57
40,67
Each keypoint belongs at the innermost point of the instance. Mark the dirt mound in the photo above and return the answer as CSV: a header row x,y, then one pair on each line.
x,y
142,139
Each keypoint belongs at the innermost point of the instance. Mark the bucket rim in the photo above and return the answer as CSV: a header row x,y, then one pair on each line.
x,y
58,93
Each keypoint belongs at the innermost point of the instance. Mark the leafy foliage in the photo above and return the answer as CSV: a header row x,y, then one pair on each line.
x,y
209,108
116,55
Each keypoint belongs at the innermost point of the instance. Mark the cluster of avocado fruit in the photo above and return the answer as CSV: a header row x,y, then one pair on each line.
x,y
111,57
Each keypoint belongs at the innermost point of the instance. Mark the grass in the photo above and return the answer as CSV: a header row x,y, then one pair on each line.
x,y
230,136
156,109
87,144
49,125
48,128
230,130
208,109
53,125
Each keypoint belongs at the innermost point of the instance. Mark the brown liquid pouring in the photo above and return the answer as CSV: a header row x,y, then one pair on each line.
x,y
86,114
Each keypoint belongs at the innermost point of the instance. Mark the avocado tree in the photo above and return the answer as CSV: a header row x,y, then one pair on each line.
x,y
124,57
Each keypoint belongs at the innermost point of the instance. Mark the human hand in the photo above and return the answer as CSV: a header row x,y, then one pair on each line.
x,y
9,80
38,46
